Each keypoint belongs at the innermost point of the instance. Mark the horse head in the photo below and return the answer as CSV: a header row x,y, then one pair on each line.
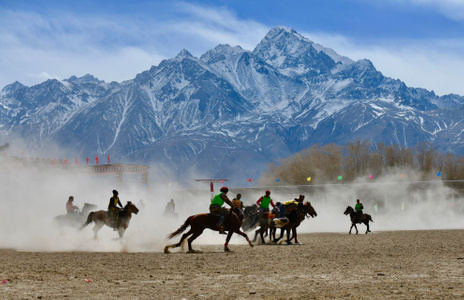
x,y
130,207
348,210
309,209
89,206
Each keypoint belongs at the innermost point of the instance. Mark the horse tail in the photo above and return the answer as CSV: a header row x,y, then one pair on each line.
x,y
370,219
89,220
181,228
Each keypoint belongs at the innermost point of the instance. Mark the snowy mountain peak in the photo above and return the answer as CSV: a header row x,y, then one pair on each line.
x,y
183,54
221,52
283,46
87,78
11,88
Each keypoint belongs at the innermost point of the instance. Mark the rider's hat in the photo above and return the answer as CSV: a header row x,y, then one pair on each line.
x,y
115,192
224,189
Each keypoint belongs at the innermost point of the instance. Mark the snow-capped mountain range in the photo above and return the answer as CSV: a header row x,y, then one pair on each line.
x,y
230,112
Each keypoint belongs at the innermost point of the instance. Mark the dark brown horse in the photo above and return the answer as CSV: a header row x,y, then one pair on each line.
x,y
355,220
268,224
101,218
251,216
198,223
295,219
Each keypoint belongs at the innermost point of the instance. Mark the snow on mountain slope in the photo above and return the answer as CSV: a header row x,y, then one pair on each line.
x,y
231,111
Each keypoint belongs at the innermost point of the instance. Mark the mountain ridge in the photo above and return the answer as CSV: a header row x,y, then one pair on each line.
x,y
231,111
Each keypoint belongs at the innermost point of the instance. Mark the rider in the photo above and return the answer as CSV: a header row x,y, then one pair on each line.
x,y
70,207
170,207
290,205
276,210
237,205
359,209
113,209
263,203
216,208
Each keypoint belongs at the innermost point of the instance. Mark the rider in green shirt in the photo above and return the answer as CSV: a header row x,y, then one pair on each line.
x,y
216,208
263,203
359,209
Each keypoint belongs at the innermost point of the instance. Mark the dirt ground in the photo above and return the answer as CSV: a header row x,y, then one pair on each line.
x,y
382,265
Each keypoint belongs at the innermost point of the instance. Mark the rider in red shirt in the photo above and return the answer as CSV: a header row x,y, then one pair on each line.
x,y
70,207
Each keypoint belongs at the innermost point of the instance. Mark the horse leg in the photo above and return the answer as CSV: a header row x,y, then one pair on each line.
x,y
356,227
226,245
184,236
288,237
192,238
281,235
295,235
261,232
352,224
121,231
367,224
256,235
96,228
238,231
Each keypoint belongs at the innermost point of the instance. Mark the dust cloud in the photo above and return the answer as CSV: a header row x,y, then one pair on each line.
x,y
30,199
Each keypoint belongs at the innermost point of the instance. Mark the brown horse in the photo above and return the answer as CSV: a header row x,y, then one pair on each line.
x,y
101,218
198,223
354,219
295,219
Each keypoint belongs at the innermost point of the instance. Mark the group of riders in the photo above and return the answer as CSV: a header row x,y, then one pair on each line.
x,y
279,210
114,208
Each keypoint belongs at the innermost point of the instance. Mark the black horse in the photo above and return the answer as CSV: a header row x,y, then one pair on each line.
x,y
365,218
250,220
295,219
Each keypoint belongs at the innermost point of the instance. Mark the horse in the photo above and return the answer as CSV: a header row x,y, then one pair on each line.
x,y
295,219
198,223
365,218
101,218
251,217
267,225
74,219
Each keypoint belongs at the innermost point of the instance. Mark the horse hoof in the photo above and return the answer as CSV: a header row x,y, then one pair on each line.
x,y
194,251
251,245
227,250
166,250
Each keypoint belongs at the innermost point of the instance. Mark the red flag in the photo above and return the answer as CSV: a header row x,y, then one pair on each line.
x,y
53,162
75,160
108,158
96,159
86,160
250,180
65,162
22,153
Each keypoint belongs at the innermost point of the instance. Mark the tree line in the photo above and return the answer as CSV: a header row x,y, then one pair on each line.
x,y
363,160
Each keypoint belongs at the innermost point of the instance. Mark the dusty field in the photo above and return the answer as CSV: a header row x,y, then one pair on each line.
x,y
395,265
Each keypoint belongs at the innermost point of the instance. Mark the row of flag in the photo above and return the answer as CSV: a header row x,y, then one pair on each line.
x,y
66,161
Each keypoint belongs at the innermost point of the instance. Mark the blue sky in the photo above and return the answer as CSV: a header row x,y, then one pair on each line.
x,y
418,41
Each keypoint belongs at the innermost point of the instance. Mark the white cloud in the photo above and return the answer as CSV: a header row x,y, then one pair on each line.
x,y
453,9
111,47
